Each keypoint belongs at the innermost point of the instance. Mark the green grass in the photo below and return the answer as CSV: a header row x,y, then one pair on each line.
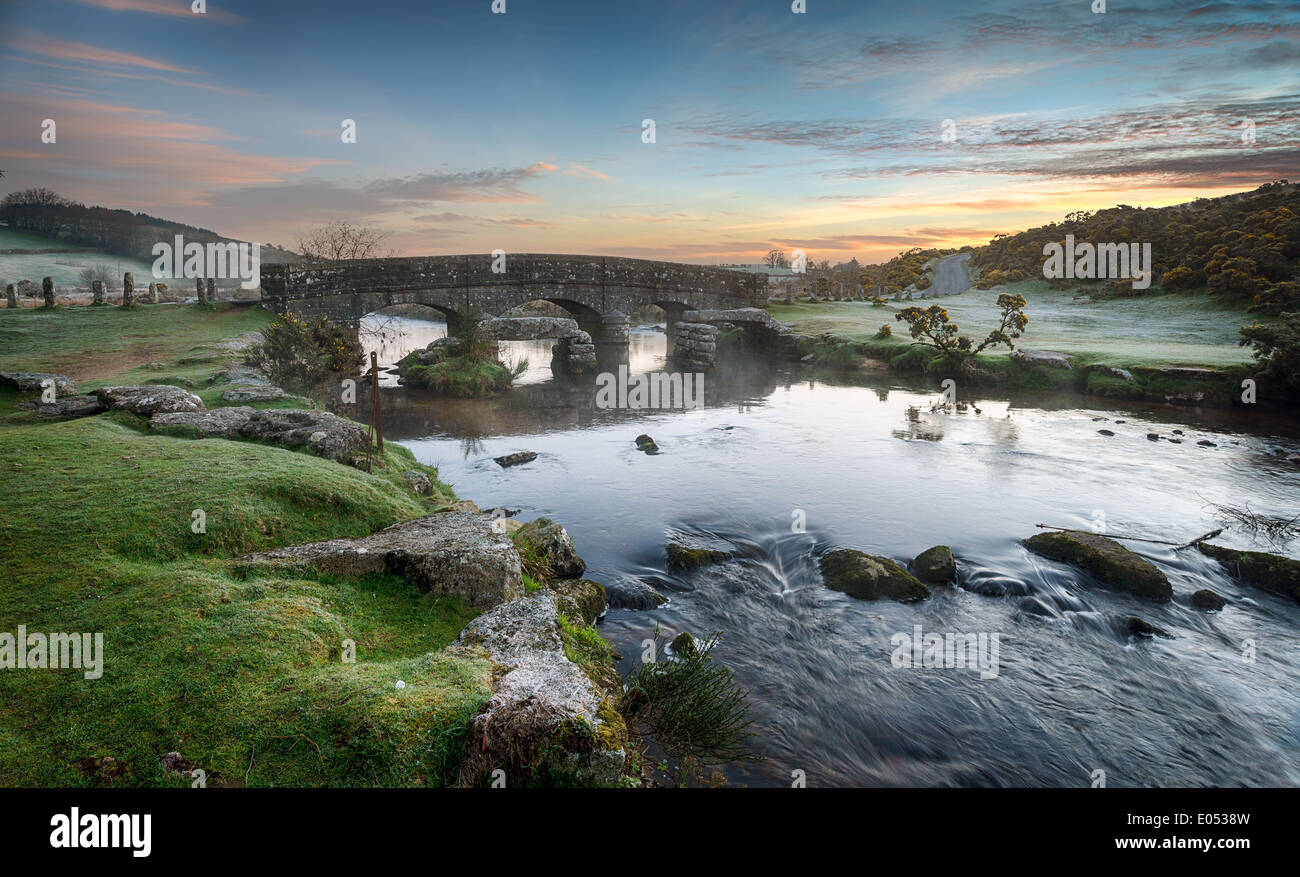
x,y
111,343
26,240
1156,330
242,673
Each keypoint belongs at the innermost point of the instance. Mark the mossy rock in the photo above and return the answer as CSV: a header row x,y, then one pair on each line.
x,y
545,543
1271,572
684,559
869,577
580,598
1113,564
935,566
1208,600
684,645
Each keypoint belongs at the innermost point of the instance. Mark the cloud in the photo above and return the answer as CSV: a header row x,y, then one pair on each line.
x,y
490,185
50,47
169,8
581,171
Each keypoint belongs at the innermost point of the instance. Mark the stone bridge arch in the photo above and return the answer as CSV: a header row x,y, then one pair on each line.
x,y
599,291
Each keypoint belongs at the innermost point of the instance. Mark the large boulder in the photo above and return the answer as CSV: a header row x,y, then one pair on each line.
x,y
580,598
328,435
149,399
213,423
551,544
253,393
33,382
455,554
1113,564
869,577
69,406
633,594
546,718
935,566
1271,572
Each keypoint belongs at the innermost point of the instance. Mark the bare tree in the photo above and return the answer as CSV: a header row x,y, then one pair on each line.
x,y
776,259
342,240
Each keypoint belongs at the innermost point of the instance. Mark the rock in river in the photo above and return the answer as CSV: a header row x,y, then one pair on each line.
x,y
868,577
515,459
684,558
1112,563
1271,572
553,546
646,444
1208,600
633,594
935,566
456,554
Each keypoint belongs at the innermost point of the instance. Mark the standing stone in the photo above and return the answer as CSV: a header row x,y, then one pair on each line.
x,y
47,287
198,289
128,289
97,290
212,291
152,295
11,295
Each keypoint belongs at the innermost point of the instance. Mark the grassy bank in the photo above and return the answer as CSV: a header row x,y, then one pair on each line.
x,y
1162,340
243,675
1154,330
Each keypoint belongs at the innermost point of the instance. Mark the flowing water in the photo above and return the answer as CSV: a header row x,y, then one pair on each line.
x,y
872,467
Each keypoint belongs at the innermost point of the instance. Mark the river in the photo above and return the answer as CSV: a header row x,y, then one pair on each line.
x,y
869,465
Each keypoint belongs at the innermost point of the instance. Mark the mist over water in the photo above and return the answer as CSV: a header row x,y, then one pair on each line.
x,y
873,468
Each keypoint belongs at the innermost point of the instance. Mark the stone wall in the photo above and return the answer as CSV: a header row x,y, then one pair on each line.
x,y
589,287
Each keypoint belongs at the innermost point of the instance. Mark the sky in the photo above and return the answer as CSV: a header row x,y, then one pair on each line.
x,y
856,129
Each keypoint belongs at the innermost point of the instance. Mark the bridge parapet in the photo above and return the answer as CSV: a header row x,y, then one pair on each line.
x,y
313,279
589,287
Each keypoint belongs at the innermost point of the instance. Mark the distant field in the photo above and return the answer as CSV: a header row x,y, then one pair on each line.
x,y
66,268
22,240
1154,330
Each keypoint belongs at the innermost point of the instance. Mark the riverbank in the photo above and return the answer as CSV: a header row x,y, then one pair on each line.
x,y
1163,348
254,674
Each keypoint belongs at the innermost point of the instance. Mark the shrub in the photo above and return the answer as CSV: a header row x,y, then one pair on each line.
x,y
1276,348
931,325
885,332
692,706
306,358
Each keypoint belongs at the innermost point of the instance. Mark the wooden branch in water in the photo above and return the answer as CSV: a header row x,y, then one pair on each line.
x,y
1177,545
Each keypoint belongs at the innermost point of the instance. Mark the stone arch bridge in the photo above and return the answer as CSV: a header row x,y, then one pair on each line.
x,y
598,291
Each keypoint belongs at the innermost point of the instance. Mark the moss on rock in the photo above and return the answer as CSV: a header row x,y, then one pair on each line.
x,y
1271,572
869,577
935,566
684,559
1112,563
580,598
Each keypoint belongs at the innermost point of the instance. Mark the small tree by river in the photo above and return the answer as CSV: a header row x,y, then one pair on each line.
x,y
306,358
932,327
